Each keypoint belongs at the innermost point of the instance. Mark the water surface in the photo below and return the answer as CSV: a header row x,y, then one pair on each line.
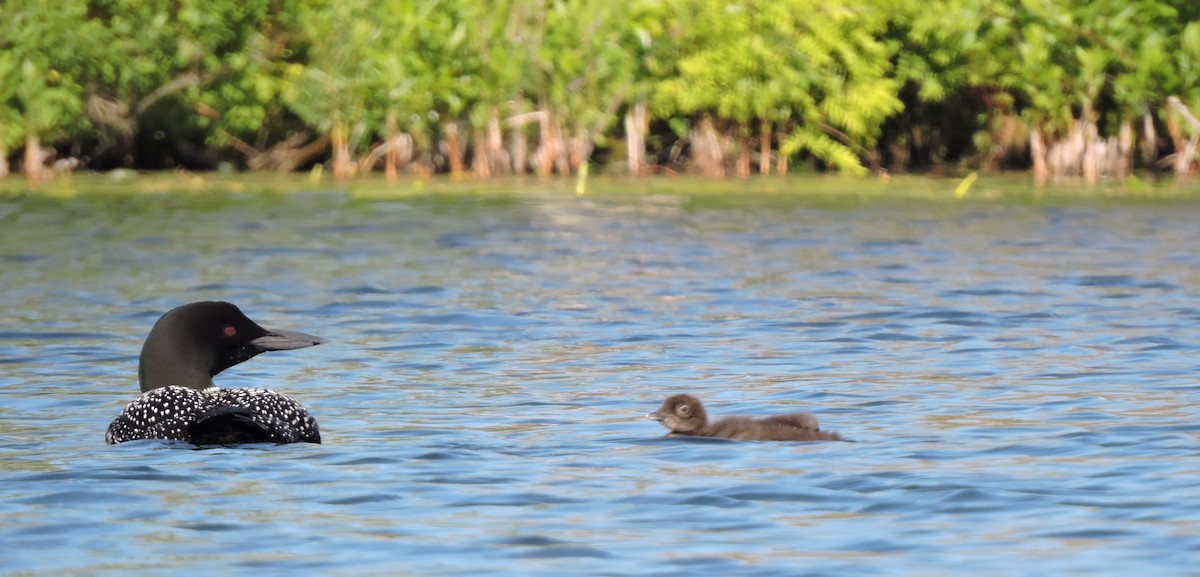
x,y
1019,380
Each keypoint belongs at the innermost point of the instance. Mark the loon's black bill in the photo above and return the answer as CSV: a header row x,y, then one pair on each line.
x,y
279,340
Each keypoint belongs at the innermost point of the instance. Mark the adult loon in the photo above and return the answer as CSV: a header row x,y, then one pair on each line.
x,y
684,415
185,349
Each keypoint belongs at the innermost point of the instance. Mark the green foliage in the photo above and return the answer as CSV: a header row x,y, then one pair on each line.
x,y
825,148
582,68
823,76
818,67
248,69
41,94
1054,61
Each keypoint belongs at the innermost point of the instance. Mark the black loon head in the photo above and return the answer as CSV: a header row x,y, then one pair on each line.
x,y
192,343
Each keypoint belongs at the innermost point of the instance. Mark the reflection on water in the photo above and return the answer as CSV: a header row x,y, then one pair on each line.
x,y
1019,381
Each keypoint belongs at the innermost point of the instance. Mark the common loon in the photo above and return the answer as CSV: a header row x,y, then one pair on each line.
x,y
685,415
185,349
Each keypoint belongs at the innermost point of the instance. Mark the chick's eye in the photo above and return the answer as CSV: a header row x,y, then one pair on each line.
x,y
230,331
683,409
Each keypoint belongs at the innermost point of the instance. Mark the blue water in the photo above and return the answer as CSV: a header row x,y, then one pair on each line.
x,y
1021,382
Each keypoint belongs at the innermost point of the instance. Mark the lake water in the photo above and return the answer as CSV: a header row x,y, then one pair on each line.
x,y
1020,380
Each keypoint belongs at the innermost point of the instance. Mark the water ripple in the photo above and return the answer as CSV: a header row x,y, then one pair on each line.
x,y
1018,382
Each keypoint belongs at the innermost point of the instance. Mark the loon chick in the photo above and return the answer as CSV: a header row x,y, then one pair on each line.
x,y
684,415
185,349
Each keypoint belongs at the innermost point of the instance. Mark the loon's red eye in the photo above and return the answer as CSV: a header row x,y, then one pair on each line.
x,y
230,331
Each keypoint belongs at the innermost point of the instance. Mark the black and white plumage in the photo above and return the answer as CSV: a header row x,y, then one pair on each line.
x,y
185,349
214,416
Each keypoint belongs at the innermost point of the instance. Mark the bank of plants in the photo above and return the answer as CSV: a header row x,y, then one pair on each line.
x,y
1085,89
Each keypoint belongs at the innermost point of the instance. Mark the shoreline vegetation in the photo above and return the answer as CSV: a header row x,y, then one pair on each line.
x,y
826,189
400,90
